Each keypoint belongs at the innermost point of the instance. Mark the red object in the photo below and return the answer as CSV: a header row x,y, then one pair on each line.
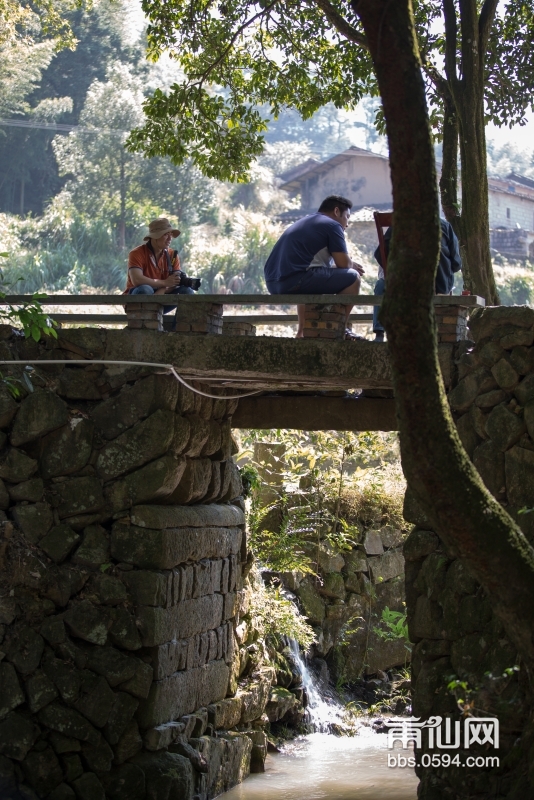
x,y
465,292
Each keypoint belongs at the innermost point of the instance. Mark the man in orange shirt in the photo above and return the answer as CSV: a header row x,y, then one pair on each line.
x,y
153,267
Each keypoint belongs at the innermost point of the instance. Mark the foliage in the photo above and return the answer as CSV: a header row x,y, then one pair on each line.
x,y
274,615
30,315
392,626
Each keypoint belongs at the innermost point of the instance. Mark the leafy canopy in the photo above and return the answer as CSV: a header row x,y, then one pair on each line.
x,y
244,62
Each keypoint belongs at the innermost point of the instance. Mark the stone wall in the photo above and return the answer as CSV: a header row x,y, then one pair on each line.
x,y
456,635
122,546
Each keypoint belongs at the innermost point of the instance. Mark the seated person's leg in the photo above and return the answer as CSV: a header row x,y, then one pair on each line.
x,y
177,290
143,289
378,328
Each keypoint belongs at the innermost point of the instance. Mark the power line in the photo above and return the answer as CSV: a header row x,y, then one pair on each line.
x,y
58,127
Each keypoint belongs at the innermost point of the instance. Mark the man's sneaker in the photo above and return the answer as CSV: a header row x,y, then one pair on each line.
x,y
379,336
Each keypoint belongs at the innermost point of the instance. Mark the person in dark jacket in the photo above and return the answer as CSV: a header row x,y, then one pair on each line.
x,y
449,263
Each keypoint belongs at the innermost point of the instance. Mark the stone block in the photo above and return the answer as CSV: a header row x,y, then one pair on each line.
x,y
160,625
76,383
106,590
373,543
387,566
68,722
8,406
490,399
155,481
165,549
427,620
40,412
521,359
186,516
199,431
484,322
88,787
129,744
169,658
5,500
62,744
77,496
67,449
40,691
279,703
123,631
112,664
149,588
94,549
59,542
490,353
194,484
181,436
125,783
88,622
468,435
226,714
96,699
133,403
122,711
167,775
333,586
11,694
42,771
329,559
182,693
504,427
139,685
16,466
467,390
521,337
355,561
313,605
31,490
162,736
25,650
524,392
33,520
505,375
255,697
420,544
144,442
488,459
519,469
17,735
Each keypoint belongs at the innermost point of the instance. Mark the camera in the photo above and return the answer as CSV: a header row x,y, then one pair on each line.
x,y
192,283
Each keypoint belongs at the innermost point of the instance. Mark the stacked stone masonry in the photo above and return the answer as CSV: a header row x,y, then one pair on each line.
x,y
122,540
456,634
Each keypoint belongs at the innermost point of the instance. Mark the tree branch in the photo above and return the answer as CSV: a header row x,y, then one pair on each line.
x,y
485,21
340,23
451,40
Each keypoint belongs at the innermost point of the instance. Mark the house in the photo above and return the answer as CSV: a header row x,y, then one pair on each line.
x,y
356,173
364,177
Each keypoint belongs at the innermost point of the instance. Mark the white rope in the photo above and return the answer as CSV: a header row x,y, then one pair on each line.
x,y
168,367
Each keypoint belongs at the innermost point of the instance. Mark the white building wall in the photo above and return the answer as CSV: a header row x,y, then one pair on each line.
x,y
507,211
366,181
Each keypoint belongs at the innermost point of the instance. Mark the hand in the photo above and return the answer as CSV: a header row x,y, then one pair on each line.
x,y
358,267
173,280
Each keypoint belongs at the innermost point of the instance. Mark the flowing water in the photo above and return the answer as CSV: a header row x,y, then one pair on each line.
x,y
321,766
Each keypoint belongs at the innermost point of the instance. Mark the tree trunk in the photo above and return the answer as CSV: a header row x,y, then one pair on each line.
x,y
467,518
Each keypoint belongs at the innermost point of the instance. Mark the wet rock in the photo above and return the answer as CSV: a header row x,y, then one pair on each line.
x,y
144,442
122,711
96,699
42,771
88,622
151,394
31,490
59,542
25,650
40,691
77,496
17,736
68,449
280,702
68,722
33,520
41,412
94,549
11,694
313,605
16,466
88,787
129,744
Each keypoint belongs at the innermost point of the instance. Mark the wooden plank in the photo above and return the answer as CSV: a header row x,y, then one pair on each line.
x,y
234,299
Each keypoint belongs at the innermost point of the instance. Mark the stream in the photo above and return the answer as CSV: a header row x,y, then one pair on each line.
x,y
322,766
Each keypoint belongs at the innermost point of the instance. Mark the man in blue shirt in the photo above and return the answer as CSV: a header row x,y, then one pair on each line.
x,y
311,256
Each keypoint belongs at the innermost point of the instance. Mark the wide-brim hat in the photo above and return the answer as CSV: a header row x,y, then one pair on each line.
x,y
159,227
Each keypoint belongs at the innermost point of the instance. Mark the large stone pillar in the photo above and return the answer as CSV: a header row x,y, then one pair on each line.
x,y
463,663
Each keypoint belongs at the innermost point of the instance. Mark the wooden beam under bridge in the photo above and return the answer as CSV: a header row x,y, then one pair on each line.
x,y
316,413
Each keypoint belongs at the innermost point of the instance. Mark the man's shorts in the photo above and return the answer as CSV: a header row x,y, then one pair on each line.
x,y
317,280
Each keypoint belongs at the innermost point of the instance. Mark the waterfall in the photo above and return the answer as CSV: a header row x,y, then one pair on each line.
x,y
325,715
